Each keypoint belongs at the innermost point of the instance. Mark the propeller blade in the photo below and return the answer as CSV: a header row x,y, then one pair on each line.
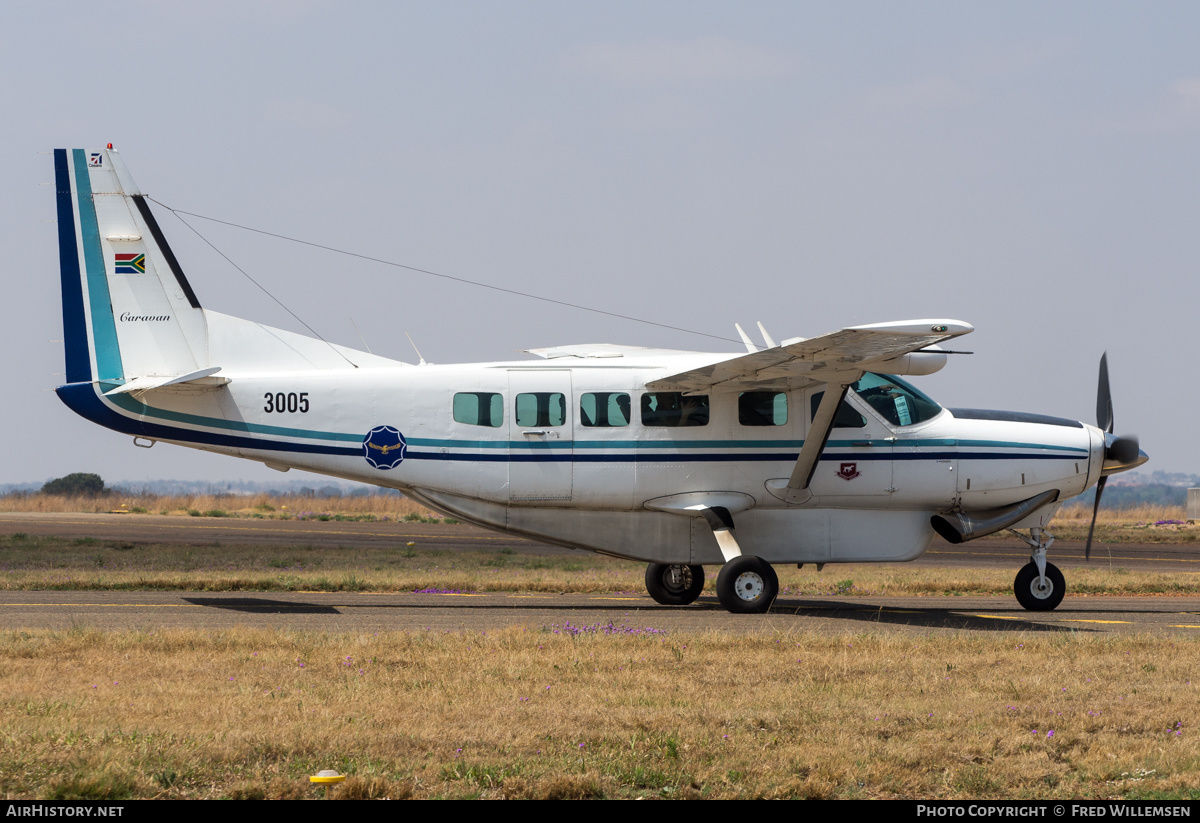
x,y
1104,406
1087,550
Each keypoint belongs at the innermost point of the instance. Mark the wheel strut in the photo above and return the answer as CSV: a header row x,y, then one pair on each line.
x,y
1039,585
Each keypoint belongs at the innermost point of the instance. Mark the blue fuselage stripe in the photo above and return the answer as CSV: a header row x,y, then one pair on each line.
x,y
707,457
84,399
134,406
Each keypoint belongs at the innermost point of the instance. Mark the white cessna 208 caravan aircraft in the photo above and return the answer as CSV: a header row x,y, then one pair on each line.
x,y
809,451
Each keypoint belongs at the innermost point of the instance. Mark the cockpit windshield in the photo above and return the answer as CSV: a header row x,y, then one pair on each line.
x,y
896,401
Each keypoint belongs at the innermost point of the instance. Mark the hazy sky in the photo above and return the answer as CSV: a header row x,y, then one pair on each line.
x,y
1030,168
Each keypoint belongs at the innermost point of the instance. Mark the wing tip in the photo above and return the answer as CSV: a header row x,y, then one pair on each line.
x,y
950,328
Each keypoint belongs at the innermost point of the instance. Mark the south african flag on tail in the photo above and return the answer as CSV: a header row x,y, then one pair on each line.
x,y
130,263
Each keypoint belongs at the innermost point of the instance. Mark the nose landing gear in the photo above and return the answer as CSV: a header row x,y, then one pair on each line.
x,y
1039,586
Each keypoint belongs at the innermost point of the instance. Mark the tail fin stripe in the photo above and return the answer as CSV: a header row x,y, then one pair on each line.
x,y
79,363
104,328
156,232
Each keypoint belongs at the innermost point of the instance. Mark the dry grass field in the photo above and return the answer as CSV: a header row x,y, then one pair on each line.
x,y
619,711
545,713
275,507
1142,524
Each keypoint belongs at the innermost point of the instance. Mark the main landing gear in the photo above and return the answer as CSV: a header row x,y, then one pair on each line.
x,y
1039,586
674,584
745,585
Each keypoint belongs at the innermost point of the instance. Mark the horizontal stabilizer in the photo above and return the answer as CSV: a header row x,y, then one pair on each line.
x,y
201,379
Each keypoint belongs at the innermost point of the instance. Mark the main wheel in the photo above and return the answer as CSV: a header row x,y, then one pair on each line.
x,y
1032,594
674,584
747,585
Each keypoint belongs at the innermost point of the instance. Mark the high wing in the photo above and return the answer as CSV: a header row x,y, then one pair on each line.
x,y
840,356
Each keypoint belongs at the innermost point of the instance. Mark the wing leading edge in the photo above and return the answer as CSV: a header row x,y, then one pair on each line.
x,y
838,357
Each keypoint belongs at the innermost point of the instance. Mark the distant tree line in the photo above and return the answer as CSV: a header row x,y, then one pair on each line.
x,y
86,484
79,484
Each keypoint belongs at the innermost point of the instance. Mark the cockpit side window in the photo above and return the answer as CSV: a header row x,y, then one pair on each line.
x,y
846,417
762,408
896,401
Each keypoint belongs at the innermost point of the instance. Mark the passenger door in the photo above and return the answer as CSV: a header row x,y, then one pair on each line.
x,y
540,448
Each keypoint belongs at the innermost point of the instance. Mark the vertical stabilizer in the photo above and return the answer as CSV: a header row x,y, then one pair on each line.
x,y
128,310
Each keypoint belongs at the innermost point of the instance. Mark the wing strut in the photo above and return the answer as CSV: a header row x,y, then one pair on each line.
x,y
795,488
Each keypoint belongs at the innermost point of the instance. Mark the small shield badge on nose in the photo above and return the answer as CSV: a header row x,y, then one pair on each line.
x,y
849,471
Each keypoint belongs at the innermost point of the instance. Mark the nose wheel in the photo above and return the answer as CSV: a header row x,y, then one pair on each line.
x,y
747,585
1037,593
1039,586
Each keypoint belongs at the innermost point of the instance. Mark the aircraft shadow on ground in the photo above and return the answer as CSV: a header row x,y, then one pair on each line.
x,y
925,617
933,618
260,605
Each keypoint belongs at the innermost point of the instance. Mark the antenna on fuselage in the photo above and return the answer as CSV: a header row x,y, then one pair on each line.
x,y
366,345
750,347
418,351
766,337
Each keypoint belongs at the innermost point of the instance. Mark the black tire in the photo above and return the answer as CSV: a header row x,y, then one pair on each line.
x,y
1033,598
747,585
671,590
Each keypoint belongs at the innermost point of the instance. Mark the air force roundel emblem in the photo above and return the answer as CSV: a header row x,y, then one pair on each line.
x,y
384,447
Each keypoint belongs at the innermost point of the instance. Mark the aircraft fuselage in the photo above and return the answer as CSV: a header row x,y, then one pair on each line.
x,y
567,479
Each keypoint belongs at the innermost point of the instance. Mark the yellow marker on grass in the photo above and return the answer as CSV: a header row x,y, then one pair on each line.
x,y
327,777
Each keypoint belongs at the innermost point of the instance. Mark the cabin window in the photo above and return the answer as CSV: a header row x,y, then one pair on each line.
x,y
846,417
896,401
762,408
604,409
479,408
674,409
543,408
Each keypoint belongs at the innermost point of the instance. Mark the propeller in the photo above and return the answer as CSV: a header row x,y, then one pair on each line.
x,y
1120,453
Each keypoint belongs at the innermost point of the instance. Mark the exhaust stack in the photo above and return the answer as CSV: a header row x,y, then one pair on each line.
x,y
959,527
